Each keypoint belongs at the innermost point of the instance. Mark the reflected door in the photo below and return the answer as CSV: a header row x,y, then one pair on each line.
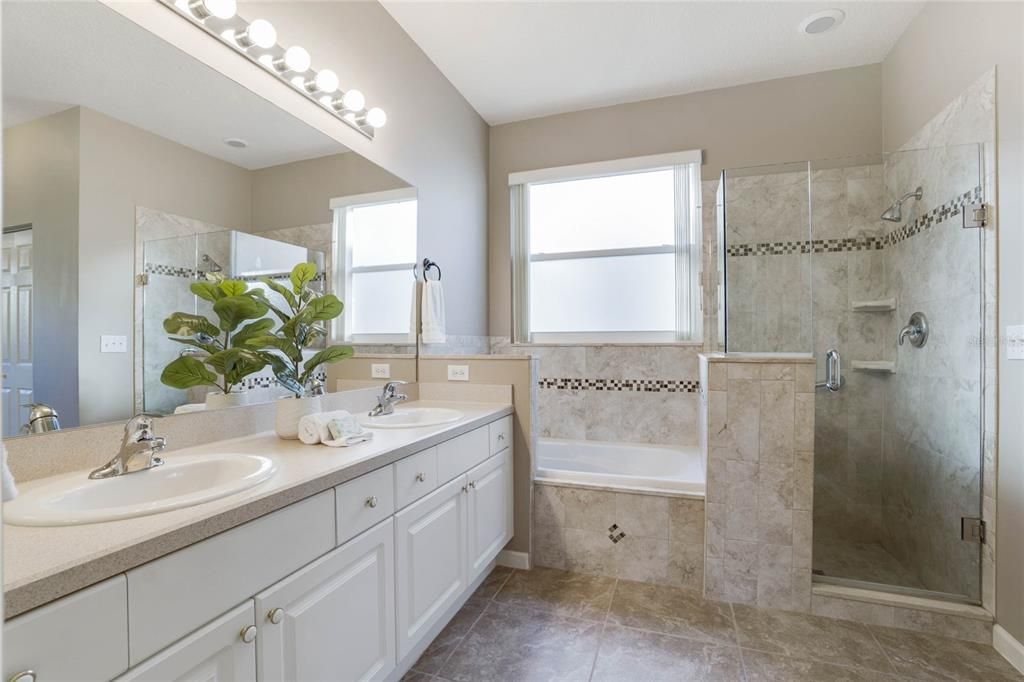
x,y
16,278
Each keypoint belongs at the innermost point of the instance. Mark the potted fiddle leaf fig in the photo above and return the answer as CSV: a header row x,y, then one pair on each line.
x,y
222,358
304,320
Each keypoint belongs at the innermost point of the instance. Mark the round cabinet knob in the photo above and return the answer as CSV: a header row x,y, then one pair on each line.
x,y
371,502
275,616
249,634
421,477
24,675
465,488
472,484
501,436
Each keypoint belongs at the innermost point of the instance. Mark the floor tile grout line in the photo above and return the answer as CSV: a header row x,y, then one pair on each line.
x,y
884,652
597,652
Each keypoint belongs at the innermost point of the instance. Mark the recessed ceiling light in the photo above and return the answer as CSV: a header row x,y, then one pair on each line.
x,y
821,22
236,142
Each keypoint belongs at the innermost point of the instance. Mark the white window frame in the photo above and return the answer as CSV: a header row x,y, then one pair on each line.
x,y
687,248
340,206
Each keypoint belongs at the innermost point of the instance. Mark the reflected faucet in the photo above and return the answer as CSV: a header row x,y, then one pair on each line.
x,y
139,448
387,399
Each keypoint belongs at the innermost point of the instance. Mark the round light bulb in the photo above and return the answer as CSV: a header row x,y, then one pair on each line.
x,y
326,81
262,33
376,118
353,100
222,9
296,59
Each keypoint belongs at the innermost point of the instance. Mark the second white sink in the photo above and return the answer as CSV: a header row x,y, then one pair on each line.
x,y
74,499
412,418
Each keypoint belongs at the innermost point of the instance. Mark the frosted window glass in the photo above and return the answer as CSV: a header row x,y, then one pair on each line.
x,y
382,234
613,212
381,302
614,294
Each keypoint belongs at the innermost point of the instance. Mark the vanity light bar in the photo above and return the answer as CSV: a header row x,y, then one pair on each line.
x,y
257,40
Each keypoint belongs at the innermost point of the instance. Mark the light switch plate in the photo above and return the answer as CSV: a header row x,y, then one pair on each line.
x,y
380,371
1015,342
113,344
458,372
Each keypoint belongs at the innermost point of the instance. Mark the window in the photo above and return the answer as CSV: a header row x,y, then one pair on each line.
x,y
376,236
608,251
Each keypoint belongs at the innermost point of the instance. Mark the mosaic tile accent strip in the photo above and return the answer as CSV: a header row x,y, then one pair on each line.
x,y
266,381
936,216
638,385
192,273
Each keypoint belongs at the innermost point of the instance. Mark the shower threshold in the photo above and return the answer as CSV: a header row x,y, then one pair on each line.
x,y
820,579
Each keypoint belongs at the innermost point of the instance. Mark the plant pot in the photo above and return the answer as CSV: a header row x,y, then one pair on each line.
x,y
218,400
290,410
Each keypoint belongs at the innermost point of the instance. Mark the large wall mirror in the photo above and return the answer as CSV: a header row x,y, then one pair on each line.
x,y
133,172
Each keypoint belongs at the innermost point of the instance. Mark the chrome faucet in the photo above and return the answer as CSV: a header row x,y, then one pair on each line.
x,y
916,331
387,399
139,448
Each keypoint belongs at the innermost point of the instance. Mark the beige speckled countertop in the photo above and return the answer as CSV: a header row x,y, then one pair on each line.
x,y
43,564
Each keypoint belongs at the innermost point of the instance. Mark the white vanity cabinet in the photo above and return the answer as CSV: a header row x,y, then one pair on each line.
x,y
335,618
224,650
489,515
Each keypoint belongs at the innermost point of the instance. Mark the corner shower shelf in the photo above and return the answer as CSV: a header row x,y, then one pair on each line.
x,y
880,366
882,305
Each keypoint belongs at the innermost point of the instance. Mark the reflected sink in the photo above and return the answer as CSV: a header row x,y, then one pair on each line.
x,y
412,418
73,499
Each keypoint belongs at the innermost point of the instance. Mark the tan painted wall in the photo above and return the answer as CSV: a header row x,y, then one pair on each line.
x,y
925,70
299,193
357,369
515,372
40,186
817,116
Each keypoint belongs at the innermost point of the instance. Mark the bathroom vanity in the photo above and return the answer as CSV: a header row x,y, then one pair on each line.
x,y
344,565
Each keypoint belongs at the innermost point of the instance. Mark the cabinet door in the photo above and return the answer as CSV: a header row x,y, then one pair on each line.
x,y
222,650
334,619
490,510
430,560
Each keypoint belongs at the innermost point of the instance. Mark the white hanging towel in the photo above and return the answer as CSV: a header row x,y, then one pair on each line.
x,y
432,312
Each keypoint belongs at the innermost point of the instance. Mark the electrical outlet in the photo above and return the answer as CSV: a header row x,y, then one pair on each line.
x,y
458,372
113,344
1015,342
380,371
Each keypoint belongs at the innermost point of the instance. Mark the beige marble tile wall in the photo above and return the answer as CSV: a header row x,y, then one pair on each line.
x,y
759,421
648,538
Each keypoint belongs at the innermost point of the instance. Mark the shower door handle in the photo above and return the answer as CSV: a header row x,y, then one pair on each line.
x,y
833,371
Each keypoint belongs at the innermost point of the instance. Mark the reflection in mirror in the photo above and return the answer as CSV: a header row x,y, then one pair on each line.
x,y
121,194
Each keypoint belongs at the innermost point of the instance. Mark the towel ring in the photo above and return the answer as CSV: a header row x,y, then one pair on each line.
x,y
427,265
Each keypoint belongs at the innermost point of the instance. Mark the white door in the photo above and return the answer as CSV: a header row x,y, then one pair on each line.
x,y
224,650
16,278
335,618
430,560
490,510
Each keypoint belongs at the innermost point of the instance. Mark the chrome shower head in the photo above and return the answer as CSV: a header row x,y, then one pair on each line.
x,y
894,213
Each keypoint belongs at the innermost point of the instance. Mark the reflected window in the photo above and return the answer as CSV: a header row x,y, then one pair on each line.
x,y
608,251
377,250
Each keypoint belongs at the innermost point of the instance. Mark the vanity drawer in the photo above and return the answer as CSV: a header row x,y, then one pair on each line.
x,y
83,636
173,595
364,502
415,477
501,434
461,454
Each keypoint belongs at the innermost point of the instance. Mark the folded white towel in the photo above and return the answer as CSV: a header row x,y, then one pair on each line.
x,y
189,407
432,312
10,491
313,427
345,431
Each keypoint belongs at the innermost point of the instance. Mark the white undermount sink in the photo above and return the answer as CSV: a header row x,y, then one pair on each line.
x,y
412,418
74,499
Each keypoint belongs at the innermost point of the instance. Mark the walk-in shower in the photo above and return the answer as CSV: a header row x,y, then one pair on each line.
x,y
812,262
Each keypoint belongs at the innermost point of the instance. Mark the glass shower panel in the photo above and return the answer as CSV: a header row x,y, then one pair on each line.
x,y
765,256
898,447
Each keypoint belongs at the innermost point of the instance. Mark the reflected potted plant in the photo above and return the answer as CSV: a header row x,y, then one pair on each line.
x,y
304,319
222,358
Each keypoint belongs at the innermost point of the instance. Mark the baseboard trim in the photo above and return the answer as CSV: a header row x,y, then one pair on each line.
x,y
512,559
1008,646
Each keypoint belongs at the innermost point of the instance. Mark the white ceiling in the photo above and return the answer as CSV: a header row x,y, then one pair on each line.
x,y
519,60
61,54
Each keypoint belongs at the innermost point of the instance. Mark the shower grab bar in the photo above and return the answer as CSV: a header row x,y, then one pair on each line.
x,y
833,371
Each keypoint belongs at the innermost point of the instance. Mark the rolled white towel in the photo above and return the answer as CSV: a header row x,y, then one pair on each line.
x,y
345,431
10,490
313,427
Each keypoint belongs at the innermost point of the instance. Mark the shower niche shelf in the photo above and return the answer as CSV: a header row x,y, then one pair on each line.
x,y
882,305
875,366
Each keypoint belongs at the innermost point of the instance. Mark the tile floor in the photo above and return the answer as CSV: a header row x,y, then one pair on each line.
x,y
546,624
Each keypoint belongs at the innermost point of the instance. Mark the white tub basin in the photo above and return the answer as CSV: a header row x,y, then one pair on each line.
x,y
74,499
412,418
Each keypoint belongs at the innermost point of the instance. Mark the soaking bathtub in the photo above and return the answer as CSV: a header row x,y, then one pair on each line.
x,y
633,467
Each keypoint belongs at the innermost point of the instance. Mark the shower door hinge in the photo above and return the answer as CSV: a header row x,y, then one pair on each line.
x,y
975,215
972,529
142,280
